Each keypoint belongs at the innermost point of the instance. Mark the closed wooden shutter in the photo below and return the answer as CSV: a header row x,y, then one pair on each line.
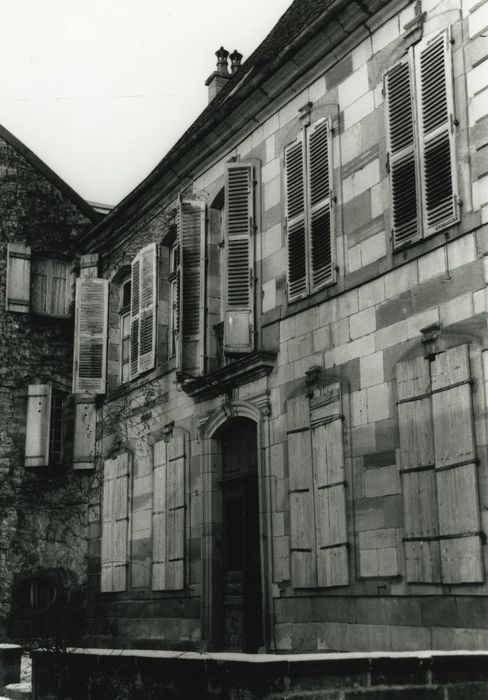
x,y
18,277
84,436
38,424
303,545
135,309
115,521
239,258
90,346
402,153
175,510
159,516
320,201
50,287
191,236
330,487
147,315
417,468
437,133
295,219
456,471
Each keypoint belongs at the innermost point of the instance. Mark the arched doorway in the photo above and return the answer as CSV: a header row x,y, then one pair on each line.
x,y
241,599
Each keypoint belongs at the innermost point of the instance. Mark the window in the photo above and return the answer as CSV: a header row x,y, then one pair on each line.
x,y
115,524
318,526
124,313
421,142
174,301
438,466
310,228
143,310
45,426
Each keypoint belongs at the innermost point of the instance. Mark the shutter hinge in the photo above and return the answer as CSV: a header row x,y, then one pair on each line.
x,y
332,197
454,122
387,164
222,243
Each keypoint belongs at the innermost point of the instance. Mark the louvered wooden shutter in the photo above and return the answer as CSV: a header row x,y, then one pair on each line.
x,y
18,277
84,437
175,510
115,521
147,314
417,468
295,219
303,545
38,424
239,258
320,201
135,309
90,346
456,471
159,517
330,487
191,235
437,133
402,153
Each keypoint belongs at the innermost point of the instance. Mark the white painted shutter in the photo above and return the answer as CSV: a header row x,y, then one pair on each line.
x,y
437,133
159,516
303,545
239,258
320,203
402,153
135,308
38,424
90,345
115,520
191,234
456,470
295,219
417,469
18,277
147,315
107,546
330,487
84,437
175,512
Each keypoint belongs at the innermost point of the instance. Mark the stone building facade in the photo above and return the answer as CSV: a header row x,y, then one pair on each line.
x,y
41,217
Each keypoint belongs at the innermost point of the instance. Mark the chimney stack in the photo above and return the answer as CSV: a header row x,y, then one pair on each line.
x,y
219,77
236,59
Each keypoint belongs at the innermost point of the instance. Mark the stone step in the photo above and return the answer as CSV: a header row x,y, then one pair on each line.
x,y
18,691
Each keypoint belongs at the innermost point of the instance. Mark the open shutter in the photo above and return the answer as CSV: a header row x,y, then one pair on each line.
x,y
191,236
302,511
91,321
18,277
320,200
115,521
456,472
38,425
175,513
402,153
437,133
135,307
295,219
239,258
159,517
330,487
147,314
107,547
84,436
417,469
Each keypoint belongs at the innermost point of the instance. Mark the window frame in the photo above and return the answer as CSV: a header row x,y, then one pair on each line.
x,y
124,317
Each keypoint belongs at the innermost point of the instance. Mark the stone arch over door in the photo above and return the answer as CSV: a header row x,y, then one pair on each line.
x,y
212,535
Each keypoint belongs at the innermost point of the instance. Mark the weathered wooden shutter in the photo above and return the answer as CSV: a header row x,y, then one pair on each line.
x,y
437,133
417,469
191,234
38,424
175,511
115,522
159,516
326,421
295,219
84,437
456,471
135,308
402,153
91,327
18,277
239,258
303,545
49,286
147,314
320,202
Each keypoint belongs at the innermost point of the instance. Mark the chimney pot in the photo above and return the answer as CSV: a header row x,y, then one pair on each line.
x,y
236,59
220,76
222,66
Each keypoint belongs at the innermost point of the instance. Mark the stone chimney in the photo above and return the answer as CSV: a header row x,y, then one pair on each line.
x,y
236,59
219,77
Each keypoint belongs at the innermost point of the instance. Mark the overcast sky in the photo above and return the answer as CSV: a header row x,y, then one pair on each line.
x,y
101,89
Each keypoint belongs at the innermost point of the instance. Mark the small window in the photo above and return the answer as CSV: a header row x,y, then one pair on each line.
x,y
124,311
45,426
49,287
174,267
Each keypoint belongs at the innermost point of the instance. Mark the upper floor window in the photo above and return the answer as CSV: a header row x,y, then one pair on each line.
x,y
421,142
174,302
124,312
310,227
143,310
44,426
